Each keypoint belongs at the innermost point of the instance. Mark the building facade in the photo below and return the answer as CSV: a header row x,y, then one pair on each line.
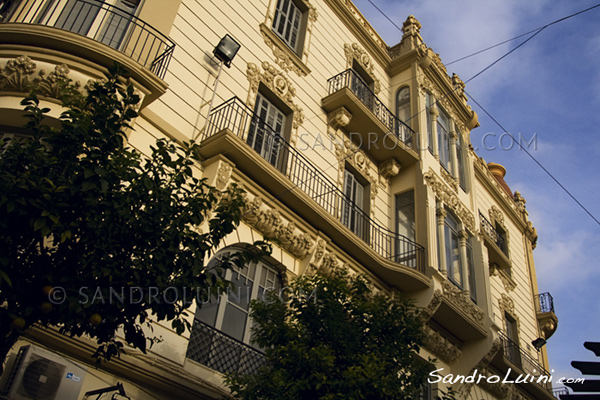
x,y
354,154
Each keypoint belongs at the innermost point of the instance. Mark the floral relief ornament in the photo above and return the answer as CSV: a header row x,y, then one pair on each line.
x,y
18,75
278,83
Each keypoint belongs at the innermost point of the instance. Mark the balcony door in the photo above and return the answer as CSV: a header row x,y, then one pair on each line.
x,y
266,130
353,215
105,21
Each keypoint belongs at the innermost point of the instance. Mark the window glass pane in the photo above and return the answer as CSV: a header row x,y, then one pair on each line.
x,y
234,322
287,22
471,269
405,215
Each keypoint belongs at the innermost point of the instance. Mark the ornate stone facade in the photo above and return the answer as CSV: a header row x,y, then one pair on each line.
x,y
346,151
19,75
450,199
441,347
285,57
269,222
280,85
355,52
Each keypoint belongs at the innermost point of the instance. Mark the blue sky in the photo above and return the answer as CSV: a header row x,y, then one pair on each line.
x,y
548,93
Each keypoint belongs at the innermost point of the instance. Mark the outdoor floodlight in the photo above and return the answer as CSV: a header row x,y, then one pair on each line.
x,y
226,50
538,343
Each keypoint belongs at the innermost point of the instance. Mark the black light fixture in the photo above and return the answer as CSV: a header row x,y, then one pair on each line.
x,y
226,49
538,343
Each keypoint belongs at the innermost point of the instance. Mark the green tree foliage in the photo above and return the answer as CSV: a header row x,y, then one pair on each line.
x,y
86,220
332,337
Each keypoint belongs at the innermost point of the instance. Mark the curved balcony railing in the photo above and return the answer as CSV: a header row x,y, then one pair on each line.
x,y
351,80
241,120
220,352
544,303
115,27
523,360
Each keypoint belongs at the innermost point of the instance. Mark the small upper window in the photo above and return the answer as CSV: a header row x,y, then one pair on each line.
x,y
443,131
403,105
288,22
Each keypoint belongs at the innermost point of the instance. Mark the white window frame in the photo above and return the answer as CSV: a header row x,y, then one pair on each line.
x,y
287,22
259,278
354,193
267,142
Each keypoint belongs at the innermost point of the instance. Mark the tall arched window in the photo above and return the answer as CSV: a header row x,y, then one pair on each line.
x,y
403,105
220,337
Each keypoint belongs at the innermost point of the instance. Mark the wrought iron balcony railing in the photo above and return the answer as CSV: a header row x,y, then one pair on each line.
x,y
351,80
523,360
115,27
493,234
245,124
544,303
220,352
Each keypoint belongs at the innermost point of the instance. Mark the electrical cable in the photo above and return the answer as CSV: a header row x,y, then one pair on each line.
x,y
534,159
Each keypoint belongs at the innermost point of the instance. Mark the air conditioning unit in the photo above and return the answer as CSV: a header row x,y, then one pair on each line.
x,y
36,374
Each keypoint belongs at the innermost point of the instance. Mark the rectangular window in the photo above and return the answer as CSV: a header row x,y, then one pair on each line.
x,y
513,352
443,127
428,103
286,23
266,130
353,215
461,159
471,269
405,215
452,247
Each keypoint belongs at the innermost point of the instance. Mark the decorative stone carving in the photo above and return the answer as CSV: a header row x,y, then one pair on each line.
x,y
507,305
462,301
270,223
411,26
496,215
285,57
441,347
275,80
19,75
345,150
532,234
507,281
223,175
450,180
387,170
450,198
354,52
339,118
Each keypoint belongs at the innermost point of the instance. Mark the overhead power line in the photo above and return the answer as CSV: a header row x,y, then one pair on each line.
x,y
533,158
534,32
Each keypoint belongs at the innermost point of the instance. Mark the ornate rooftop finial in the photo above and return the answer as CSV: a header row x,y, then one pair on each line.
x,y
411,26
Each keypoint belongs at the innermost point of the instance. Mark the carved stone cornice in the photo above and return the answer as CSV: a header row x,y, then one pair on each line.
x,y
355,52
462,301
441,347
364,32
507,281
19,75
269,222
450,198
